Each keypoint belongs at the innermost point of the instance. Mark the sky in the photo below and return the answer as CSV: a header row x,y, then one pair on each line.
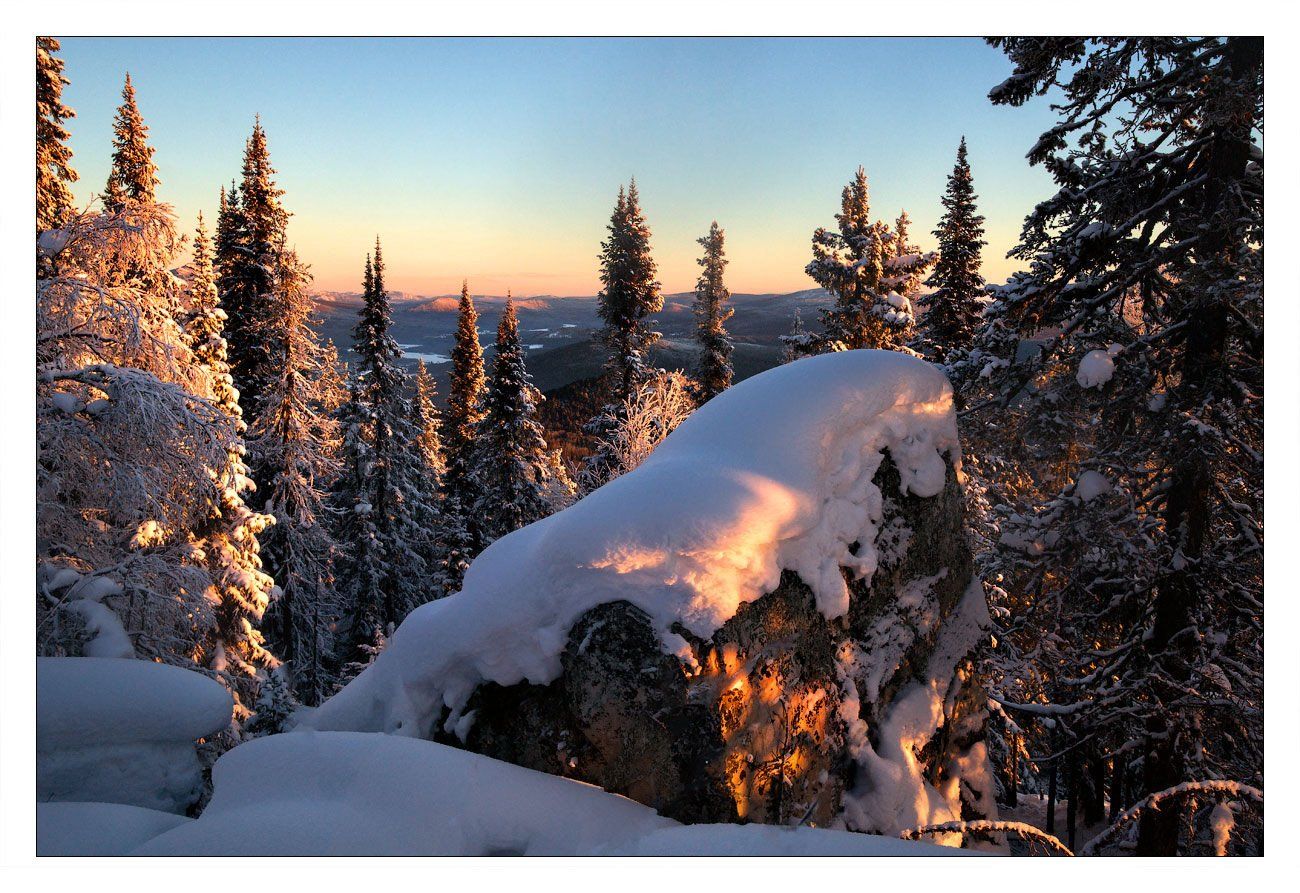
x,y
499,160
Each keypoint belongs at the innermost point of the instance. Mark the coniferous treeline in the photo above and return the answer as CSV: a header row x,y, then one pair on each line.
x,y
272,515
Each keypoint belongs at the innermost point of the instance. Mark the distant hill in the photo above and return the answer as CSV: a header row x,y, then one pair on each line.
x,y
558,330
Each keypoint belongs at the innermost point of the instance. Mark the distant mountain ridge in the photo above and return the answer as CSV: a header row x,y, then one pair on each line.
x,y
558,332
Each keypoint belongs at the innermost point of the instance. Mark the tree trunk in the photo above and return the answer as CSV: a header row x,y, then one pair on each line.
x,y
1013,771
1071,797
1116,786
1094,804
1052,796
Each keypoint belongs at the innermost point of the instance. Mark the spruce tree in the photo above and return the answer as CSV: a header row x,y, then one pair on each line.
x,y
296,442
151,478
800,342
953,308
53,157
629,296
713,371
864,264
389,493
226,240
205,325
458,539
1145,276
250,235
363,565
513,465
132,176
428,421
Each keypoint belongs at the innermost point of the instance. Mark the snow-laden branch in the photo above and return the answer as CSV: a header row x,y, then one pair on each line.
x,y
1029,832
1212,786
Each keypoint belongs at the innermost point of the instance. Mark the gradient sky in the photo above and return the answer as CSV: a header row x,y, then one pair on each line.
x,y
500,159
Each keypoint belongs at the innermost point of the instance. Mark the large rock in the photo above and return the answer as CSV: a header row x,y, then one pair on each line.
x,y
783,716
769,620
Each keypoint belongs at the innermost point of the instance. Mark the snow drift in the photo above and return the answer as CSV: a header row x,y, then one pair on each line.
x,y
774,474
340,793
118,730
98,829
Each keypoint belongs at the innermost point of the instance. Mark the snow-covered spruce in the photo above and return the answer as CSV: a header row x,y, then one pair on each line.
x,y
953,308
1131,346
872,270
132,176
387,495
54,169
722,515
629,296
142,530
713,371
296,443
457,538
513,464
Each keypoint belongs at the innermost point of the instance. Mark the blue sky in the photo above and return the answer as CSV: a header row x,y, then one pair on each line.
x,y
499,159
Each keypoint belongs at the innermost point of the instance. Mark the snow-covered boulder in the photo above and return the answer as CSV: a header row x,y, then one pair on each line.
x,y
770,620
344,793
116,730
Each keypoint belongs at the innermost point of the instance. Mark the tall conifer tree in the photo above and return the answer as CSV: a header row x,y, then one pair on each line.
x,y
205,325
953,308
864,264
513,465
296,441
1145,272
251,234
389,490
713,371
133,176
54,169
428,421
629,296
458,539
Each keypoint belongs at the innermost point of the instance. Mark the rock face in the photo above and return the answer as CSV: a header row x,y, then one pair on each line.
x,y
872,721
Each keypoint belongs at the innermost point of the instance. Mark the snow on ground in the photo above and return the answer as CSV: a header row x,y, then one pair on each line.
x,y
1032,810
775,473
770,840
123,731
341,793
98,829
345,793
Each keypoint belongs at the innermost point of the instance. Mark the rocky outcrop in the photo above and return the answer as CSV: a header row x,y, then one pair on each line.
x,y
872,721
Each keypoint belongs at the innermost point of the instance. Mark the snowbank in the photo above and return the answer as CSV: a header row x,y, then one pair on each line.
x,y
98,829
771,840
123,731
344,793
775,473
340,793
